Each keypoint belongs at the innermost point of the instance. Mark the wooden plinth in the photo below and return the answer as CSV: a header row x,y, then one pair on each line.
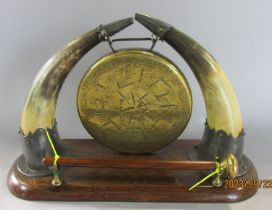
x,y
106,184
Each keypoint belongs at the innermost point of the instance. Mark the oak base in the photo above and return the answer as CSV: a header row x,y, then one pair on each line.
x,y
145,185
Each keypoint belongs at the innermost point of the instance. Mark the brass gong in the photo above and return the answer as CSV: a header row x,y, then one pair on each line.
x,y
134,101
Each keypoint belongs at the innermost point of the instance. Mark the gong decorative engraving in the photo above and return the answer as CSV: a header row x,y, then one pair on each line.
x,y
134,101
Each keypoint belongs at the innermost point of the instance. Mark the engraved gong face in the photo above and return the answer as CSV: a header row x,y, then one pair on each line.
x,y
134,101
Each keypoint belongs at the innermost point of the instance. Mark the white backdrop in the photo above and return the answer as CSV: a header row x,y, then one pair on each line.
x,y
237,32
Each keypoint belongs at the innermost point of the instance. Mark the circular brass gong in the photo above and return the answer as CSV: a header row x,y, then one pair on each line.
x,y
134,101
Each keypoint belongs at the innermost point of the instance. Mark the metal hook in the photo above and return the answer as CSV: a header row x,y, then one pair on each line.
x,y
104,35
154,40
109,40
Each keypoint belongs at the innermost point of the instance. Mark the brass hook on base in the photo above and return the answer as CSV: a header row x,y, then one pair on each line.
x,y
229,166
56,182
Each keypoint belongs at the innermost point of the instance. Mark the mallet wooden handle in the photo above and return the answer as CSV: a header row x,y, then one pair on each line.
x,y
131,163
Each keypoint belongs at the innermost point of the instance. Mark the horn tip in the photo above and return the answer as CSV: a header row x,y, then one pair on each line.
x,y
115,27
156,26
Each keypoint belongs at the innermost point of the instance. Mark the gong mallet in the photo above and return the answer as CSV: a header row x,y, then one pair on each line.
x,y
228,166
